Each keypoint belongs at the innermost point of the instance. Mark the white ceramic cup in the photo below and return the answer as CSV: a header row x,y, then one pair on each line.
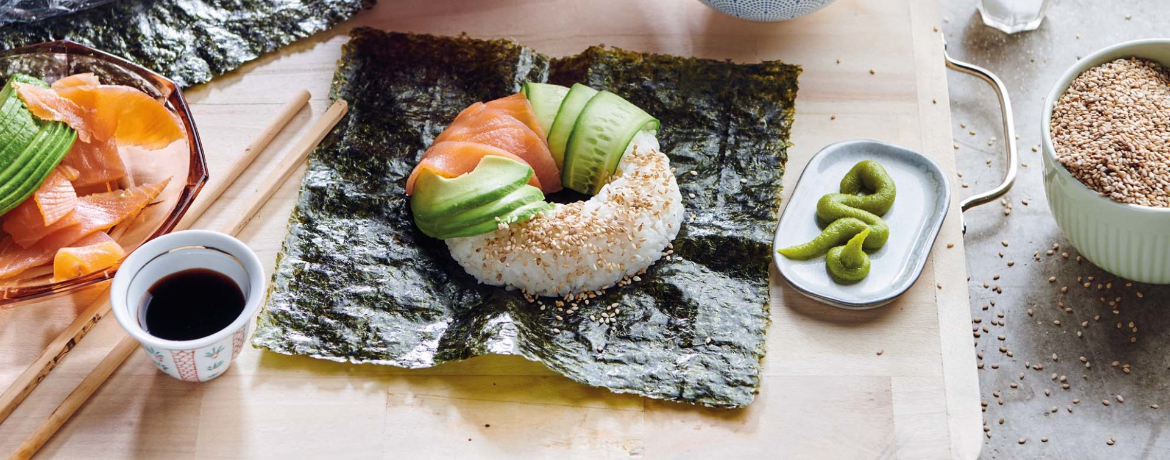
x,y
201,359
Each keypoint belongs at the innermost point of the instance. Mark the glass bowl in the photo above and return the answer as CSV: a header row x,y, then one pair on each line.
x,y
183,161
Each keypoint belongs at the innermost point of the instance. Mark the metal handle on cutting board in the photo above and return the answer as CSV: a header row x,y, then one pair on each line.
x,y
1009,129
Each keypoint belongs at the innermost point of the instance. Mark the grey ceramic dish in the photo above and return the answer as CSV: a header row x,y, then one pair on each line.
x,y
915,219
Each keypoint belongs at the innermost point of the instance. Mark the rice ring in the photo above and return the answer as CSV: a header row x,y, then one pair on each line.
x,y
588,245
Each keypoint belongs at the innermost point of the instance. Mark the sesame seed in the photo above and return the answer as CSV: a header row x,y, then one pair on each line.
x,y
1128,162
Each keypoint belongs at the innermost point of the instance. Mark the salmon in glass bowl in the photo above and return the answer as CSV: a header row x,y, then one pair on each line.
x,y
132,171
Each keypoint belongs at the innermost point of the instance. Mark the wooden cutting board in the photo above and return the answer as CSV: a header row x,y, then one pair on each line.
x,y
896,382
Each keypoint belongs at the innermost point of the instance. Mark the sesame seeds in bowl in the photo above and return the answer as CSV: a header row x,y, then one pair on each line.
x,y
1111,127
1106,127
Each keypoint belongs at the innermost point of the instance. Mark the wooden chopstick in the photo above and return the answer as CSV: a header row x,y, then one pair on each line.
x,y
260,194
249,155
100,307
256,199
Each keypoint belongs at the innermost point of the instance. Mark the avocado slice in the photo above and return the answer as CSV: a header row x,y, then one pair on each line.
x,y
17,124
469,204
29,147
491,179
16,130
482,219
21,180
527,211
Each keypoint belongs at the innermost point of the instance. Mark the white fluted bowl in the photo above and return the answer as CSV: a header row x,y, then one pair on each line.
x,y
767,10
1126,240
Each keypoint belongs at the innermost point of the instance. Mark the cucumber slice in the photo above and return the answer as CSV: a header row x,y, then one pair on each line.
x,y
546,102
598,140
562,127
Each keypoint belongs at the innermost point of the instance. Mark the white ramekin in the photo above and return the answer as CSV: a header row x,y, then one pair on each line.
x,y
205,358
1126,240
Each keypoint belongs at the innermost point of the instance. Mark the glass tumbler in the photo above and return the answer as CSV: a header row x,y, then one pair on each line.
x,y
1012,16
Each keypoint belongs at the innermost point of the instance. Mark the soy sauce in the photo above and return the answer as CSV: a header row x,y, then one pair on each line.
x,y
192,304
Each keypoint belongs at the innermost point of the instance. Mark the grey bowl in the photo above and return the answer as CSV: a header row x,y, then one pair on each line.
x,y
915,219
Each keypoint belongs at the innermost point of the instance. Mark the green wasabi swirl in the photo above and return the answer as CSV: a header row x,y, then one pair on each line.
x,y
855,223
849,263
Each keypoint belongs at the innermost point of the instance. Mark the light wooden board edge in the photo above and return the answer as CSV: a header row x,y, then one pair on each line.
x,y
949,265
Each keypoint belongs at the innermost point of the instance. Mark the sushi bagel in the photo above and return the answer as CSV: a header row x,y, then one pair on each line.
x,y
480,187
588,245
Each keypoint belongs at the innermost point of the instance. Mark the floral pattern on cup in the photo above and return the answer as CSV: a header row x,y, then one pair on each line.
x,y
156,357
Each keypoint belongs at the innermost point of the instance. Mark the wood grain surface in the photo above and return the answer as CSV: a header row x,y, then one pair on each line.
x,y
826,392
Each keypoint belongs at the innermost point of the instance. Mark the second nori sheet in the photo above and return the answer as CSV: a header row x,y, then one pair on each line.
x,y
356,280
188,41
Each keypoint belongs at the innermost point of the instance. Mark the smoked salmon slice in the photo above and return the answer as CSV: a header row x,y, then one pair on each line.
x,y
92,253
518,107
48,210
96,162
26,225
47,104
484,124
80,79
454,158
14,260
125,114
56,196
93,213
101,211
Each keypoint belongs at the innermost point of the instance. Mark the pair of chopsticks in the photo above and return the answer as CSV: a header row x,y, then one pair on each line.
x,y
255,199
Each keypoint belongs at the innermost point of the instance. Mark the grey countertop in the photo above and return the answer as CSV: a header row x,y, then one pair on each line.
x,y
1031,315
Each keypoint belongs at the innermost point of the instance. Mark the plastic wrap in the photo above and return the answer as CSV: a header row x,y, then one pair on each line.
x,y
13,11
188,41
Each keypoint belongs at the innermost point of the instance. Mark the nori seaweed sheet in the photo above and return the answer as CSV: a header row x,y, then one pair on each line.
x,y
356,281
189,41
